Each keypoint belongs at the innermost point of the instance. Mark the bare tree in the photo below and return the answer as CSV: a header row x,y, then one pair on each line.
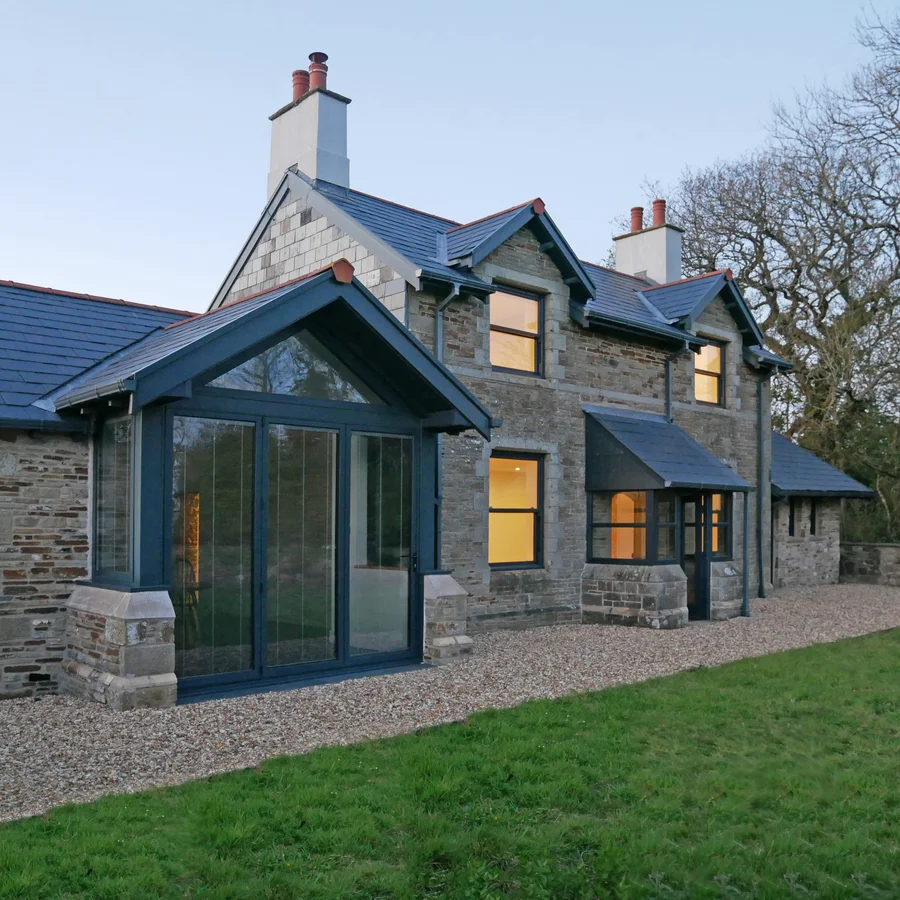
x,y
810,223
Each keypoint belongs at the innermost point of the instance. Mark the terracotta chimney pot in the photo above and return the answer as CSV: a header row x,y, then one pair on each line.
x,y
659,212
637,218
318,71
301,83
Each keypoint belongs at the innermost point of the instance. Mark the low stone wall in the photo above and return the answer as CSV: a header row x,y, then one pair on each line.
x,y
650,596
446,606
43,549
871,563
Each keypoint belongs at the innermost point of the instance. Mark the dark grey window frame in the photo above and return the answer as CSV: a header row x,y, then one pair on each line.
x,y
538,338
719,376
98,573
726,526
792,517
538,512
652,526
813,517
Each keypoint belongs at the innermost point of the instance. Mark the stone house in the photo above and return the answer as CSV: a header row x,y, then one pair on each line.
x,y
390,431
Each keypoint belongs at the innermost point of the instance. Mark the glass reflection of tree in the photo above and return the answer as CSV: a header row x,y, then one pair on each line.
x,y
299,366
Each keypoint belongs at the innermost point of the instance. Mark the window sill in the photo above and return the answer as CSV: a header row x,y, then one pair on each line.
x,y
524,373
515,567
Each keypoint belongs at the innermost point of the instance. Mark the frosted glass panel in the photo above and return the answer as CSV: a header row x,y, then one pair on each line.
x,y
300,599
212,545
380,542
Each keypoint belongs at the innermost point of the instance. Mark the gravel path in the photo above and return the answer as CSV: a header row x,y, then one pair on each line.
x,y
59,750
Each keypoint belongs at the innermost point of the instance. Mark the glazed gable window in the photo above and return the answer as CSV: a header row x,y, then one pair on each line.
x,y
515,502
516,333
709,375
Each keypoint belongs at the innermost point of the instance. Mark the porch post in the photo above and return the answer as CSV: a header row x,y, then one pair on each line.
x,y
745,601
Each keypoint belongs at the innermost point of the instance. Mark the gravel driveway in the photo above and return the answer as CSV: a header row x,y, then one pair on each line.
x,y
58,750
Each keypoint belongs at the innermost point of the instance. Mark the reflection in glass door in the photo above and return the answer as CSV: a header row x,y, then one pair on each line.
x,y
212,545
300,546
380,543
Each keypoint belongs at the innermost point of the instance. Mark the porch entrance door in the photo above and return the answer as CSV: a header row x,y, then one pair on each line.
x,y
696,510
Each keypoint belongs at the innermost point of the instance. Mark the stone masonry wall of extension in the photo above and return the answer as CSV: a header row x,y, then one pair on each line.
x,y
808,558
871,563
43,549
544,415
300,240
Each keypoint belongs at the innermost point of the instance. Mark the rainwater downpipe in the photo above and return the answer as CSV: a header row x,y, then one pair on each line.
x,y
670,359
439,469
760,483
745,599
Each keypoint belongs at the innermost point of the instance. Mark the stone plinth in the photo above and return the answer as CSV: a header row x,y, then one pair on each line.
x,y
648,596
726,590
445,620
120,647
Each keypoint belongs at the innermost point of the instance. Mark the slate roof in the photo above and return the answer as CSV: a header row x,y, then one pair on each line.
x,y
798,472
430,242
110,377
679,299
50,336
416,235
463,239
618,296
675,457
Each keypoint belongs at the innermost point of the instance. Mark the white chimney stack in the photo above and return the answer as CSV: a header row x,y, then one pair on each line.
x,y
311,131
653,253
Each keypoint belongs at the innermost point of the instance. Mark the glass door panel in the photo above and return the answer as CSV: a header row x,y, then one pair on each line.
x,y
301,582
212,545
380,543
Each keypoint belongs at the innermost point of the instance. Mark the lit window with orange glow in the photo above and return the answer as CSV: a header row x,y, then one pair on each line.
x,y
709,372
514,518
619,525
515,333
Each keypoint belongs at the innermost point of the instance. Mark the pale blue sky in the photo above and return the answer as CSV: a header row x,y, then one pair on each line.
x,y
134,137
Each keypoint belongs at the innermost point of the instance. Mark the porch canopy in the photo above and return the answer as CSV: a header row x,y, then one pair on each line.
x,y
331,304
638,451
798,473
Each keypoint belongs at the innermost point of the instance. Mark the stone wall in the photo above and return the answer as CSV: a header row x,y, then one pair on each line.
x,y
652,596
726,589
871,563
43,548
300,240
807,558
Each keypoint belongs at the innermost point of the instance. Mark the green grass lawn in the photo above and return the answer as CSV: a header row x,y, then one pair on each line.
x,y
771,777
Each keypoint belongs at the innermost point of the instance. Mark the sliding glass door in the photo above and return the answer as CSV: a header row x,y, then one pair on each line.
x,y
292,547
380,543
301,546
212,545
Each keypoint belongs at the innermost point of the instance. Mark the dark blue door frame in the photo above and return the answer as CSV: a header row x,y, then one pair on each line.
x,y
702,528
343,419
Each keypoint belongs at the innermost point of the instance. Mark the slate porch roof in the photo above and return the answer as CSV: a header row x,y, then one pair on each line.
x,y
664,450
50,336
799,473
167,359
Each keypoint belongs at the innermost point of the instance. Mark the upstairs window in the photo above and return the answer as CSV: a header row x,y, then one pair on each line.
x,y
112,531
812,516
516,333
515,503
709,380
